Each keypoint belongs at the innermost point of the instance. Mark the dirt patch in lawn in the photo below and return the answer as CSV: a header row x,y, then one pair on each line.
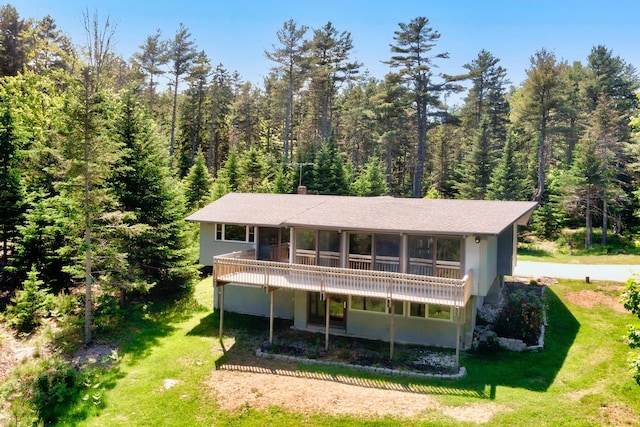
x,y
608,296
245,380
13,351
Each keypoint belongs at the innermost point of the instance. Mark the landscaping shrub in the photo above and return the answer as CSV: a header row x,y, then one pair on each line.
x,y
521,317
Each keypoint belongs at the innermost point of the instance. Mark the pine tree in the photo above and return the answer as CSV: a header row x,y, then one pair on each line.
x,y
584,185
328,172
160,252
507,180
476,166
541,98
414,42
330,67
13,49
30,305
292,62
253,166
197,184
150,60
181,55
372,180
230,176
11,190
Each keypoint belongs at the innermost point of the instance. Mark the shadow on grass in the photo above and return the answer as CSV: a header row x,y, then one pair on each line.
x,y
534,371
486,372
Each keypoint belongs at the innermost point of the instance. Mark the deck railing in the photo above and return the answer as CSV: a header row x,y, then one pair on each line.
x,y
240,267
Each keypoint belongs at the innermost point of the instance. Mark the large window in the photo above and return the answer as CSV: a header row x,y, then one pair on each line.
x,y
435,256
387,253
234,233
421,255
360,251
329,248
305,247
431,311
378,305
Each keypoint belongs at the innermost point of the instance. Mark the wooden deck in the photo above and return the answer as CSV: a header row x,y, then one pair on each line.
x,y
240,268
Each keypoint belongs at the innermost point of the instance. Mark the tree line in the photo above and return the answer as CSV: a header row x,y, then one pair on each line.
x,y
102,157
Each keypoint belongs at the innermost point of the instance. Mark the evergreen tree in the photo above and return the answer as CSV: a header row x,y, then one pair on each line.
x,y
193,123
221,94
13,49
11,189
328,172
508,180
160,251
610,93
541,99
446,140
414,42
230,176
253,166
486,96
477,165
285,180
372,180
330,67
584,184
197,184
292,62
152,57
51,239
49,48
181,55
30,305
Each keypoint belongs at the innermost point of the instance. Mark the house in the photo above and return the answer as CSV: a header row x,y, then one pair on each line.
x,y
399,270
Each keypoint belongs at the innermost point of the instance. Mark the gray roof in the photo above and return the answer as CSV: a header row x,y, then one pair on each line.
x,y
381,214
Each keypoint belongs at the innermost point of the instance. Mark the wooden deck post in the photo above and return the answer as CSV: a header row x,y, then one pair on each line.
x,y
457,338
392,331
327,315
221,304
271,318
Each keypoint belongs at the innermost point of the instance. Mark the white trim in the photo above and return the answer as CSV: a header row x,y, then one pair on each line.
x,y
249,236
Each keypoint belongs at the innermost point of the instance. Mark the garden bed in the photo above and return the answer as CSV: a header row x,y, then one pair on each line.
x,y
361,353
517,322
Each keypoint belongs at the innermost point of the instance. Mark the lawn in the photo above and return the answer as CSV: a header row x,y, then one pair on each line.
x,y
569,248
581,378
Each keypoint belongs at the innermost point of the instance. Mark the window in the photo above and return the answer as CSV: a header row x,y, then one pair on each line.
x,y
417,310
421,255
235,233
442,312
378,305
387,252
369,304
431,311
329,248
360,251
305,247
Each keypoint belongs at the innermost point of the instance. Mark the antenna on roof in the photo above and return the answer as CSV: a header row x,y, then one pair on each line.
x,y
300,165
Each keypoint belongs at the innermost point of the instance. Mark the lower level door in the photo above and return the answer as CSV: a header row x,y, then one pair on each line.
x,y
337,310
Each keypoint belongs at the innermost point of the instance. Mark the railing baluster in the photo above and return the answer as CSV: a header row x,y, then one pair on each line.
x,y
242,268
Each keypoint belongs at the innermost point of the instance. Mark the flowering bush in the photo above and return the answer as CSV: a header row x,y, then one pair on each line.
x,y
521,317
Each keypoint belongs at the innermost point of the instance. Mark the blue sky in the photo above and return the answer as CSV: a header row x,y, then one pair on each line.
x,y
236,33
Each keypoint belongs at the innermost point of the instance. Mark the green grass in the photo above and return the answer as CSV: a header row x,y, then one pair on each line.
x,y
569,248
581,378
